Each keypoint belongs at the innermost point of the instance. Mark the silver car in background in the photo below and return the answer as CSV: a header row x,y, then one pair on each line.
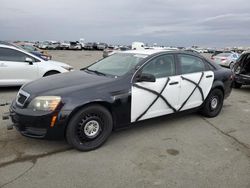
x,y
226,59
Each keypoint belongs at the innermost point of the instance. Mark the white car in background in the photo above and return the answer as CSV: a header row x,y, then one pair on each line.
x,y
18,67
226,59
43,45
64,45
138,46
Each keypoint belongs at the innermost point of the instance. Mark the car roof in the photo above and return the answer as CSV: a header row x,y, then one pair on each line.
x,y
147,52
8,46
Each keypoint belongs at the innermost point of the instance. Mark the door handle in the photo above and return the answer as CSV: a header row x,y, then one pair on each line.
x,y
209,76
173,83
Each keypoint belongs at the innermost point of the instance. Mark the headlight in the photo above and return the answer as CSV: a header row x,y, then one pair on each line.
x,y
45,103
68,68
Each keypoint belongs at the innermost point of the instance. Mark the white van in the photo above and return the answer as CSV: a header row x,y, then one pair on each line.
x,y
138,46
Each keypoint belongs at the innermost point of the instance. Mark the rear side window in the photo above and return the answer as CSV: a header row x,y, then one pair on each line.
x,y
191,64
13,55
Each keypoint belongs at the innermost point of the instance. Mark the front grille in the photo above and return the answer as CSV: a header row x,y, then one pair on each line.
x,y
22,97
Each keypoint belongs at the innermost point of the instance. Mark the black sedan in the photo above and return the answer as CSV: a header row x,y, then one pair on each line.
x,y
85,106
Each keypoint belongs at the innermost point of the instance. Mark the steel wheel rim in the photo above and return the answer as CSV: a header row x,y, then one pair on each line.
x,y
91,128
84,130
214,103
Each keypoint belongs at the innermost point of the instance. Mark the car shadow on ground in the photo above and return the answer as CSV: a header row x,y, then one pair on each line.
x,y
28,147
155,123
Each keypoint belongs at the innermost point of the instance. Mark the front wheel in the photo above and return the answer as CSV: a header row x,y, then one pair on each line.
x,y
50,73
213,104
89,128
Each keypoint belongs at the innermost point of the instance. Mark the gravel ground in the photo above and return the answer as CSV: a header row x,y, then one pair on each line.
x,y
184,151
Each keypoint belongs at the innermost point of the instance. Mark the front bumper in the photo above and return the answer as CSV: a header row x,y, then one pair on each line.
x,y
37,125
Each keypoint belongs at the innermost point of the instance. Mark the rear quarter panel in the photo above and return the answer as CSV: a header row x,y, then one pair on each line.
x,y
223,80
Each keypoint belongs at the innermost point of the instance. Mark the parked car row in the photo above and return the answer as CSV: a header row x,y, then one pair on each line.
x,y
227,59
70,45
94,46
110,50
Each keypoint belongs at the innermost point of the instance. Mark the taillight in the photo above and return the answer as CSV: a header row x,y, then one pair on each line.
x,y
223,59
231,77
212,58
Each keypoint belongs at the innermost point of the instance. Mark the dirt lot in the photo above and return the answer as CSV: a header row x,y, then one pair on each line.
x,y
186,151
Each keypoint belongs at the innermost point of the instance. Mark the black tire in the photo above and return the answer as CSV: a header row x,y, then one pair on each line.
x,y
213,104
78,128
237,85
50,73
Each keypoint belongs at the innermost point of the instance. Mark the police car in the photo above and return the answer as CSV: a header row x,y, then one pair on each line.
x,y
85,106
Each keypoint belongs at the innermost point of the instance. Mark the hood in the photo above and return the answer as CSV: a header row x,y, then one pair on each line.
x,y
65,83
58,63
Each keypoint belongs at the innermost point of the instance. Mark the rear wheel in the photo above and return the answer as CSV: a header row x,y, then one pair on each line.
x,y
89,128
213,104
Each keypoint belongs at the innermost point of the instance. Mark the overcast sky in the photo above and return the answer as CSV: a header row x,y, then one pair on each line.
x,y
166,22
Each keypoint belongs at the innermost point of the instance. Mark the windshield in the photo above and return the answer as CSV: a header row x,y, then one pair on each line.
x,y
29,48
117,64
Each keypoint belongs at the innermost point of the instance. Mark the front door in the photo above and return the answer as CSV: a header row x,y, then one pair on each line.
x,y
152,99
13,68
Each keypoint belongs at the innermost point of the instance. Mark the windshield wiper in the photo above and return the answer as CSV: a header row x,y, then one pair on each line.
x,y
96,72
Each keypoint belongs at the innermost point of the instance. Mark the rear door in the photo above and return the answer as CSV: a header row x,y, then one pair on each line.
x,y
152,99
13,68
196,81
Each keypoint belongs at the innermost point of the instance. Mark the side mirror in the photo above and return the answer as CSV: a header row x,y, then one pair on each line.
x,y
145,77
29,60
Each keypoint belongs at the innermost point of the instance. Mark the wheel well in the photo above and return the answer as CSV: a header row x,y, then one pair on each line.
x,y
101,103
220,88
51,72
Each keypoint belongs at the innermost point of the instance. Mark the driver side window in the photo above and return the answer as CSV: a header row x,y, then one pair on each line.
x,y
160,67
